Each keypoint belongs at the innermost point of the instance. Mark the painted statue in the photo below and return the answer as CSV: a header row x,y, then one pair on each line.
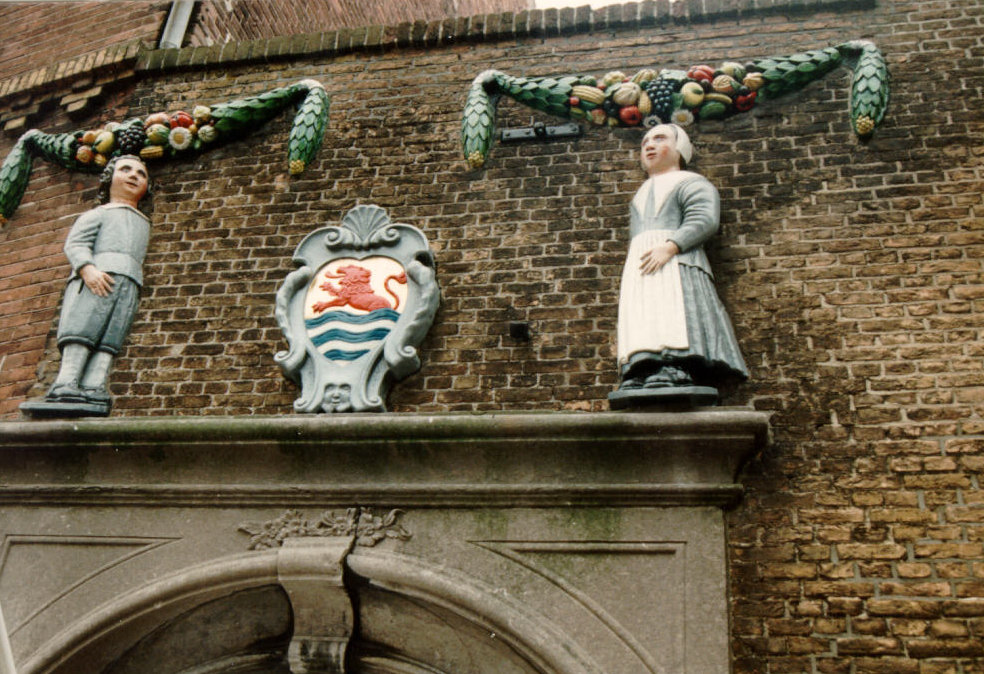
x,y
106,248
675,340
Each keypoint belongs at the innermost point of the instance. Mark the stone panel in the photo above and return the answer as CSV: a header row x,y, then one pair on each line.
x,y
573,561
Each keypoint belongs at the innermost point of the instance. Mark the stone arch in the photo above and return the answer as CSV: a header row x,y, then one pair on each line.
x,y
409,617
540,645
94,642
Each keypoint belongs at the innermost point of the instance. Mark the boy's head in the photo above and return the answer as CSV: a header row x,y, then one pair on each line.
x,y
124,180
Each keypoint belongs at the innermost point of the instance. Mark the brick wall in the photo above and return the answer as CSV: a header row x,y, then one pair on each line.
x,y
41,33
852,272
216,23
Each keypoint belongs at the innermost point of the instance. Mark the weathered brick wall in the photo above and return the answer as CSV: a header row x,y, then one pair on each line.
x,y
860,547
852,272
219,22
41,33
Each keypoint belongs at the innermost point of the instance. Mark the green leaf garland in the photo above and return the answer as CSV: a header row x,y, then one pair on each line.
x,y
680,96
170,136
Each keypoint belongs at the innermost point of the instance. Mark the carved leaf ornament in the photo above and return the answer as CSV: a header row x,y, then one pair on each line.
x,y
170,135
683,97
368,528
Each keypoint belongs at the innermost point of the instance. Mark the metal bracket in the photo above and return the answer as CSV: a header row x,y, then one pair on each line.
x,y
540,131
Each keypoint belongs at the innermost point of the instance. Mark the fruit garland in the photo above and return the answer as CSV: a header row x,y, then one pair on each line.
x,y
169,135
682,97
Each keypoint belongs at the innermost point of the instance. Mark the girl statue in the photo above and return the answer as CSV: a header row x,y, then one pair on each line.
x,y
675,341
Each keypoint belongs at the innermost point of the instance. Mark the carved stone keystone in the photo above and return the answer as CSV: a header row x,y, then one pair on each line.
x,y
311,570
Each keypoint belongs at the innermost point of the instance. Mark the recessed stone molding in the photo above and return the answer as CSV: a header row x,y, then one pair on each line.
x,y
68,563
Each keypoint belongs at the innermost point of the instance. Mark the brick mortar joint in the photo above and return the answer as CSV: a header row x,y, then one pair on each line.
x,y
440,33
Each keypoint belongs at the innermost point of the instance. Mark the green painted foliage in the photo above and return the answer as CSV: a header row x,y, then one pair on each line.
x,y
308,129
785,74
870,89
242,116
14,173
478,119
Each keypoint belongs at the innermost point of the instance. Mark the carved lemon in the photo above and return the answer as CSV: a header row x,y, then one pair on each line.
x,y
105,141
692,93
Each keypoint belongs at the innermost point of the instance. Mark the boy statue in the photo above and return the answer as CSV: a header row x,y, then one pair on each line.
x,y
675,341
106,248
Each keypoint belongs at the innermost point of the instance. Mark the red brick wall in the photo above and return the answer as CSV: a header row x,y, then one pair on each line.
x,y
218,22
37,34
852,272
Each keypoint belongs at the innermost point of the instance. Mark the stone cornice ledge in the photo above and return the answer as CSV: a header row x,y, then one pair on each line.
x,y
467,460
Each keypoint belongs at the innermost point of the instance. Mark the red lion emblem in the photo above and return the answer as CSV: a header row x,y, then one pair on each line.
x,y
354,290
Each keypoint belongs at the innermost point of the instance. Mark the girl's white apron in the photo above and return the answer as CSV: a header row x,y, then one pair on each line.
x,y
650,309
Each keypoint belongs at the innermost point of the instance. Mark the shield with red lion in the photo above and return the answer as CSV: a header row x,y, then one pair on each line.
x,y
362,299
353,305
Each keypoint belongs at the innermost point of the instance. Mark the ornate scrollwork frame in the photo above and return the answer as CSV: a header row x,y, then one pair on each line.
x,y
360,385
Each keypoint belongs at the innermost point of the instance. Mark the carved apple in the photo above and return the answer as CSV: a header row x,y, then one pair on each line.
x,y
182,119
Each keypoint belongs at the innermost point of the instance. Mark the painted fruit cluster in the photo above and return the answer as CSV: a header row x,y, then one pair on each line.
x,y
650,98
158,135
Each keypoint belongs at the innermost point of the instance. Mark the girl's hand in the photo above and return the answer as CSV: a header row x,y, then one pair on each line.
x,y
656,258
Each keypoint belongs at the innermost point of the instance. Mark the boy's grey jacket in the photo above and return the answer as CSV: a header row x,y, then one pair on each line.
x,y
113,237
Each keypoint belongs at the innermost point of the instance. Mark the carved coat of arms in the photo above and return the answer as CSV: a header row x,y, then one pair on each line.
x,y
361,301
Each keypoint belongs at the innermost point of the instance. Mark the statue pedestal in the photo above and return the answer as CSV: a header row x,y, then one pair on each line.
x,y
671,396
565,542
45,409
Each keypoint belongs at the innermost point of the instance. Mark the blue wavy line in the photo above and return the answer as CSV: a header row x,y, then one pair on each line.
x,y
358,319
353,337
337,354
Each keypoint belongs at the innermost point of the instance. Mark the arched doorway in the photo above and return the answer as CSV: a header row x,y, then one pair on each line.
x,y
233,617
249,633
